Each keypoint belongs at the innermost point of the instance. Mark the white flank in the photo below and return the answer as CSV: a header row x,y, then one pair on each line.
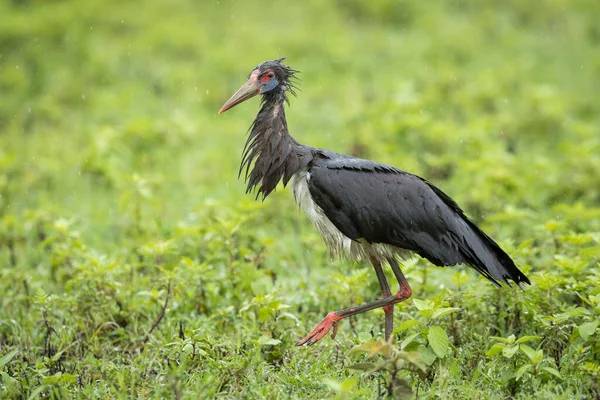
x,y
337,242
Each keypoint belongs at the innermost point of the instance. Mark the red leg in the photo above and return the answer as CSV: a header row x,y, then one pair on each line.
x,y
404,290
332,319
385,292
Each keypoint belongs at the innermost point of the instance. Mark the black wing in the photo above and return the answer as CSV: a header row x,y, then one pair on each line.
x,y
382,204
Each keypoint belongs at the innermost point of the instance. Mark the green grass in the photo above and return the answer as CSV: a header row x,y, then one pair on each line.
x,y
119,198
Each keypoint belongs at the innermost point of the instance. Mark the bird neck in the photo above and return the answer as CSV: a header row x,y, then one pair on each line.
x,y
270,153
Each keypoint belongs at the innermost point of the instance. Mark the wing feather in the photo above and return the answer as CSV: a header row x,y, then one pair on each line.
x,y
382,204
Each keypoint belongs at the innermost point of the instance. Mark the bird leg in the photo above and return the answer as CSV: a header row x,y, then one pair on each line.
x,y
385,292
404,290
332,319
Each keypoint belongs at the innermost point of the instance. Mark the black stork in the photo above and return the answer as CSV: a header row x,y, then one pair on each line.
x,y
362,209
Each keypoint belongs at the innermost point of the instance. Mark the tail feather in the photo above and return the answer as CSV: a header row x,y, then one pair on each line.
x,y
481,252
487,255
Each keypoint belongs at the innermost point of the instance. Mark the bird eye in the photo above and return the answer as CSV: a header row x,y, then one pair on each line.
x,y
266,77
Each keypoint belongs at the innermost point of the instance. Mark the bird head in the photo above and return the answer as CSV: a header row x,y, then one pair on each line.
x,y
266,78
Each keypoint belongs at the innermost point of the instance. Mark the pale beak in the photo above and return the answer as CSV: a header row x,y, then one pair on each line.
x,y
249,90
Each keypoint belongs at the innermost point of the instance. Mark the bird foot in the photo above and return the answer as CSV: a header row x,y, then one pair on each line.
x,y
330,321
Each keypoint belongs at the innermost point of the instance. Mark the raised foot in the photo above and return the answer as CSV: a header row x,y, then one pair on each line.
x,y
331,320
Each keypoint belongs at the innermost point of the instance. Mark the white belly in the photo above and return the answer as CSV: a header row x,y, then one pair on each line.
x,y
337,242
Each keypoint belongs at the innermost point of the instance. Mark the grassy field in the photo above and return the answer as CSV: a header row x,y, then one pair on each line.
x,y
133,265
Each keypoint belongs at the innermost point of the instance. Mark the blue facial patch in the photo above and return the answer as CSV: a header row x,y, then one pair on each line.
x,y
269,85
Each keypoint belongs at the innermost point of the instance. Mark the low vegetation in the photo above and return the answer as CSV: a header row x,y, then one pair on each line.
x,y
132,264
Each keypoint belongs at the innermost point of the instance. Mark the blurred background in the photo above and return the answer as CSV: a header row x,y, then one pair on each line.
x,y
115,167
501,101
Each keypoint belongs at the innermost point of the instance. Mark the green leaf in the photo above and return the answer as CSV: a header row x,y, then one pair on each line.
x,y
7,380
525,339
427,355
387,364
438,340
349,384
264,313
7,357
552,371
336,386
188,349
372,347
521,371
280,306
415,360
534,356
408,340
67,378
495,349
37,391
440,312
423,304
508,340
587,329
366,366
407,325
57,356
268,341
52,379
576,312
288,315
342,387
510,351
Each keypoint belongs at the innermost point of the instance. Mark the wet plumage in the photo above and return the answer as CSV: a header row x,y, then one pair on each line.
x,y
362,209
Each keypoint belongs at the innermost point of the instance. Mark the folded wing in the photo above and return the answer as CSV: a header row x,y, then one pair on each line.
x,y
382,204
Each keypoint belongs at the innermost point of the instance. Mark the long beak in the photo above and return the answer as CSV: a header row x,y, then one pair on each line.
x,y
249,90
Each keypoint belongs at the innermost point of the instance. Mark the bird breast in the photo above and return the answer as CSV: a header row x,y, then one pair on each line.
x,y
338,243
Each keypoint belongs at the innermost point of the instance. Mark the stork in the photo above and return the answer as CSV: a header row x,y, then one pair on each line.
x,y
362,209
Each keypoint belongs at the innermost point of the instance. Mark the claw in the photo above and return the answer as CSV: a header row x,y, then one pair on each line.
x,y
330,321
335,328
